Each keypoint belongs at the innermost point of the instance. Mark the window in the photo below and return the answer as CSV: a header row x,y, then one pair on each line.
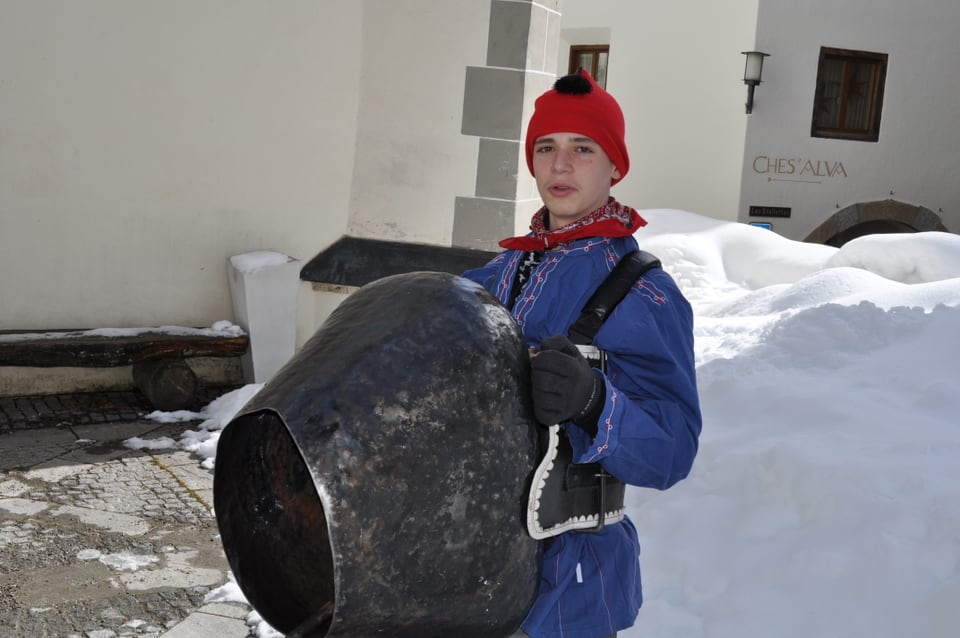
x,y
593,58
849,95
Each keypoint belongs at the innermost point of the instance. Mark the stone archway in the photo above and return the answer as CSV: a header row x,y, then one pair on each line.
x,y
882,216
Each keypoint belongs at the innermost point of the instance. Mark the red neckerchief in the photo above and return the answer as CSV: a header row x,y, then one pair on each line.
x,y
611,220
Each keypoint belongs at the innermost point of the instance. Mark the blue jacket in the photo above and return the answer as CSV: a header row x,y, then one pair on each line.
x,y
648,430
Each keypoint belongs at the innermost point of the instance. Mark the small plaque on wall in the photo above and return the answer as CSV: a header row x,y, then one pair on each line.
x,y
769,211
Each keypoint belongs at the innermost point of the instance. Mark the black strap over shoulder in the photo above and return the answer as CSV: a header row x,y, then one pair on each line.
x,y
566,496
611,292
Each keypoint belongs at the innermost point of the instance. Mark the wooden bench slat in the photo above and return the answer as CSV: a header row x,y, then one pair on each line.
x,y
105,352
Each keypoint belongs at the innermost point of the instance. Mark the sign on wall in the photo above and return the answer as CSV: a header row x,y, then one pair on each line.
x,y
769,211
797,169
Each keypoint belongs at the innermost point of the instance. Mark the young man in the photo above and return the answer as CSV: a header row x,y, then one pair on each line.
x,y
641,418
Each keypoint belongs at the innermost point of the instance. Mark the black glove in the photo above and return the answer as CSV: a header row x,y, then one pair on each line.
x,y
564,386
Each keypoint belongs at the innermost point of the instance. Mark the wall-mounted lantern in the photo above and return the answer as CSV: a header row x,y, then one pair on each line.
x,y
752,73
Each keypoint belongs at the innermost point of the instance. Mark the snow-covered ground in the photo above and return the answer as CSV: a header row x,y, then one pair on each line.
x,y
825,500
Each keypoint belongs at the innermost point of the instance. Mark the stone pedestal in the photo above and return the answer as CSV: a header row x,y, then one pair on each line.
x,y
263,286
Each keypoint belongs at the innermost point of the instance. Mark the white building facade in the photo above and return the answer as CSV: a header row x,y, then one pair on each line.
x,y
853,129
144,144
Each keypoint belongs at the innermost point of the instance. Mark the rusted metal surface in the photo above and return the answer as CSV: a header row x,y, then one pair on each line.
x,y
271,520
385,470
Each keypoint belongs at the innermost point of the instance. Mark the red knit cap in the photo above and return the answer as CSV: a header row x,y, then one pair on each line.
x,y
577,106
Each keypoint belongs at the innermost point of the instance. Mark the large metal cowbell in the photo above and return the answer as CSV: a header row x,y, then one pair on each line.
x,y
376,486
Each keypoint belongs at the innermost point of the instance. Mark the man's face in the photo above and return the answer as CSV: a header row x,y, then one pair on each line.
x,y
573,176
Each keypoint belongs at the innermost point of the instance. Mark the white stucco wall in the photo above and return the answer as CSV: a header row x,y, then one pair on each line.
x,y
412,161
914,159
677,72
143,143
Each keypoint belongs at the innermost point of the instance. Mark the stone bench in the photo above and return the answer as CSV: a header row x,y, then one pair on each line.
x,y
166,364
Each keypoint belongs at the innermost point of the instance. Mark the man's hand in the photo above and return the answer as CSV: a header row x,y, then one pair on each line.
x,y
564,386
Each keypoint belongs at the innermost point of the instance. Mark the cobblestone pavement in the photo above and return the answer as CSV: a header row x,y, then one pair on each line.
x,y
18,413
98,540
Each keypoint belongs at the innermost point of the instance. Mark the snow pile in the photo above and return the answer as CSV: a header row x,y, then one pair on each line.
x,y
825,500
